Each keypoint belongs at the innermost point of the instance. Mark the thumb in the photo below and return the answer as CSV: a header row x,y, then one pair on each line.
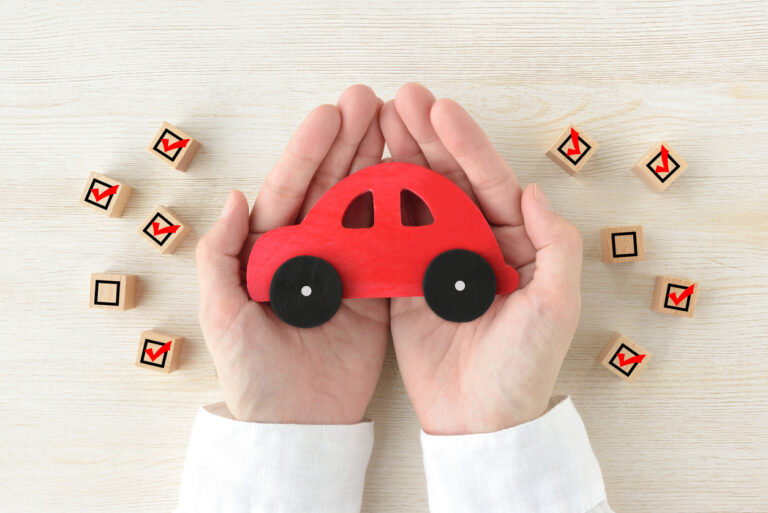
x,y
218,266
558,244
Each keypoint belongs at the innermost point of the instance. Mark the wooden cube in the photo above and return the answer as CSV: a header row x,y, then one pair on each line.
x,y
112,291
572,149
675,296
163,230
625,358
159,351
622,244
660,167
105,194
174,147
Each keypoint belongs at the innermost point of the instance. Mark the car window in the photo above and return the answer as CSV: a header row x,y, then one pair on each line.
x,y
359,213
413,210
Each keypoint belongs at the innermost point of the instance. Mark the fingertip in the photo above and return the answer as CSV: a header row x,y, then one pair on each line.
x,y
544,226
415,95
386,112
236,201
228,233
357,94
410,89
446,111
325,117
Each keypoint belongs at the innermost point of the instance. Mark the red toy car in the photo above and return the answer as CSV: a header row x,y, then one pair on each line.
x,y
305,270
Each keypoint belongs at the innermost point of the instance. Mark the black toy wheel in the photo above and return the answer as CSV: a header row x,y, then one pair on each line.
x,y
305,291
459,285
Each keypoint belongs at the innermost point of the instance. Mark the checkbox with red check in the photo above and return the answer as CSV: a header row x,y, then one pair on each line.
x,y
163,230
105,194
159,351
660,167
174,147
675,296
572,149
624,357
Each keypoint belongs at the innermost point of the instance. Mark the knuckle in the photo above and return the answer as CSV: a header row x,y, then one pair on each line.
x,y
572,238
203,248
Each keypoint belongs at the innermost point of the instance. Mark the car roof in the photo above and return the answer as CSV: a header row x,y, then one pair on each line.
x,y
447,202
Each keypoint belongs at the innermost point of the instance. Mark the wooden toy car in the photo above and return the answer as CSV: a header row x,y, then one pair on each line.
x,y
305,270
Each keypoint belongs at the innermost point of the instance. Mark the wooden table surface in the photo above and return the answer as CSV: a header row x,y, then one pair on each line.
x,y
85,86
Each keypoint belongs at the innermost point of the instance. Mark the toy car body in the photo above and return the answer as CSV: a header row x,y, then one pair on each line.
x,y
388,259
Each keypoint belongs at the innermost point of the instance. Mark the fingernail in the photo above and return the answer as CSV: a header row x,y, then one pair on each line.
x,y
228,204
539,196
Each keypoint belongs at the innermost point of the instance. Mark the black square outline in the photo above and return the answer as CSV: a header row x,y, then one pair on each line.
x,y
634,244
90,193
671,172
160,141
675,307
581,155
615,355
151,236
96,293
150,362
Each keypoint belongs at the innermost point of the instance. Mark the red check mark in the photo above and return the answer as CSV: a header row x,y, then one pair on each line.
x,y
622,360
575,141
678,299
168,229
153,355
178,144
109,192
664,161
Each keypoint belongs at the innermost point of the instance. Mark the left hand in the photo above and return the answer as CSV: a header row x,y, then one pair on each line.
x,y
499,370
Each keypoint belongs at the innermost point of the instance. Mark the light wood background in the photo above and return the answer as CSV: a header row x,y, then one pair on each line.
x,y
84,86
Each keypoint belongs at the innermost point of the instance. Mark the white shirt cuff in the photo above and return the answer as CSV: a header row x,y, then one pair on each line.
x,y
546,465
234,466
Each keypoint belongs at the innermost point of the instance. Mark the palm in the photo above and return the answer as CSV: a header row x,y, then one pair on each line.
x,y
461,375
322,375
271,371
498,370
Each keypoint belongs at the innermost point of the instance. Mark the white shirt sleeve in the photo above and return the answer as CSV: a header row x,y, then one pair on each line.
x,y
235,466
546,465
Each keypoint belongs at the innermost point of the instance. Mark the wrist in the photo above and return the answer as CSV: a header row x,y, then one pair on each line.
x,y
483,420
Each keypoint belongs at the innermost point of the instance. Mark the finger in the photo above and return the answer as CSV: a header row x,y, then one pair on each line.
x,y
218,267
558,244
413,103
372,146
286,185
402,146
357,106
491,177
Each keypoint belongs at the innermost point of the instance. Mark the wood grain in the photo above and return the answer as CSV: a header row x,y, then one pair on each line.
x,y
84,86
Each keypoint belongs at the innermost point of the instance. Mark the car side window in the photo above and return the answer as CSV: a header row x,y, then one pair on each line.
x,y
413,210
359,213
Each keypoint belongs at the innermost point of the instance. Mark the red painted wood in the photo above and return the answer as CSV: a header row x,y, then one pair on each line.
x,y
387,259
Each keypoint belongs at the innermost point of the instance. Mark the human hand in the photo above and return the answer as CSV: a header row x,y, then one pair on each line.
x,y
271,371
499,370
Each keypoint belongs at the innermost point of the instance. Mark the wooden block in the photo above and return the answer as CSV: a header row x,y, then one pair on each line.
x,y
105,194
572,149
625,358
159,351
675,296
622,244
163,230
174,147
112,291
660,167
